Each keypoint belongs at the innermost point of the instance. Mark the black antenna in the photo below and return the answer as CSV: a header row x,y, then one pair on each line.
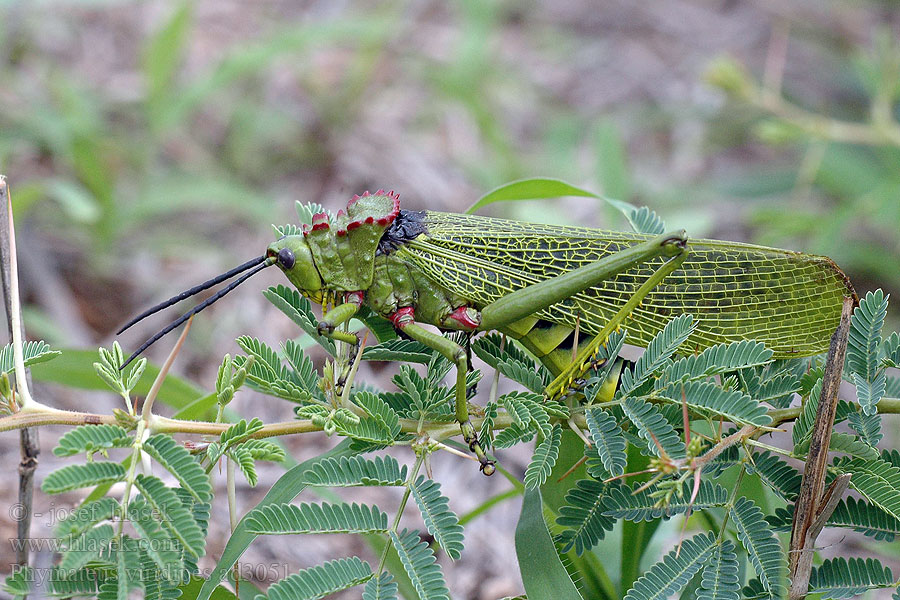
x,y
201,306
194,290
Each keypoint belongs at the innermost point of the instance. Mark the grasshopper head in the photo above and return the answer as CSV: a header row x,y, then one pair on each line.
x,y
293,256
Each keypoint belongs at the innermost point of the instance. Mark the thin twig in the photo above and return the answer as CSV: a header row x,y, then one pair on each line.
x,y
811,501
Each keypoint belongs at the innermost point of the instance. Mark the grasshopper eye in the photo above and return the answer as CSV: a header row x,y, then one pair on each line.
x,y
286,258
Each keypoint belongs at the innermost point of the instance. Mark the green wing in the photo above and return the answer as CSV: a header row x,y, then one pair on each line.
x,y
788,300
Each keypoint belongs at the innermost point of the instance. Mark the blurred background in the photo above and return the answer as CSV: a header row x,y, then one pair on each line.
x,y
150,146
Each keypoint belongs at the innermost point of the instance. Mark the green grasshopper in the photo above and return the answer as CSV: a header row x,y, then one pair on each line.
x,y
551,288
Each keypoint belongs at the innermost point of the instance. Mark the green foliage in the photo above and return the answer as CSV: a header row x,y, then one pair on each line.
x,y
281,519
420,565
715,360
89,439
33,352
172,513
382,587
582,517
269,375
109,370
762,546
544,459
732,405
298,309
653,427
347,471
672,573
877,480
781,478
642,505
440,521
864,358
608,440
322,580
73,477
179,462
658,353
720,575
842,578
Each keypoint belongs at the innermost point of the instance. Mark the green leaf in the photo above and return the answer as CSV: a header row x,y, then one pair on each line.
x,y
289,301
173,515
440,521
543,574
803,425
850,513
891,349
160,546
864,340
842,578
527,411
720,575
176,459
90,439
322,580
529,189
345,471
33,352
89,546
622,502
85,516
268,374
869,393
421,565
732,405
658,353
651,424
777,474
283,519
544,459
762,546
672,573
263,450
867,426
73,477
877,480
382,587
716,360
608,440
244,460
583,518
399,350
284,490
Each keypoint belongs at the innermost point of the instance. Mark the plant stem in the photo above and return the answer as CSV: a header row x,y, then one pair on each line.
x,y
406,493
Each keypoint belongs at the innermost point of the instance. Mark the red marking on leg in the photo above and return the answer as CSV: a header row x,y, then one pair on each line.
x,y
354,297
467,317
403,316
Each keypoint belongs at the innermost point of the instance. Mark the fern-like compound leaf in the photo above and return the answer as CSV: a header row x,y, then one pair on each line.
x,y
321,580
720,575
582,517
608,440
868,427
622,502
348,471
85,516
732,405
762,546
651,424
440,521
865,334
669,576
34,352
298,309
89,546
176,459
172,513
399,350
73,477
245,462
658,353
88,439
850,513
420,565
284,519
843,578
544,459
803,425
877,480
382,587
716,360
159,545
777,474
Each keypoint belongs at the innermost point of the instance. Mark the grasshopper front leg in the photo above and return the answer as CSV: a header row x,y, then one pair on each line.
x,y
404,320
328,327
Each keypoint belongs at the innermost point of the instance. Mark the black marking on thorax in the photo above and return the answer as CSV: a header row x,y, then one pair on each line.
x,y
408,225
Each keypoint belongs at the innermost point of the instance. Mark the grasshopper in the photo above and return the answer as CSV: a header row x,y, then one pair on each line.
x,y
554,289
